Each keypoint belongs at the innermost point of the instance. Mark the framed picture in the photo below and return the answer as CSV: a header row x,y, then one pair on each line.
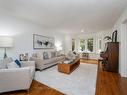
x,y
42,42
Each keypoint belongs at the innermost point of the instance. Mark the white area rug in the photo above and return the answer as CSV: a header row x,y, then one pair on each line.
x,y
81,81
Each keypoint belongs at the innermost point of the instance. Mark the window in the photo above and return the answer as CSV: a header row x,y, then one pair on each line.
x,y
86,45
73,44
99,45
82,44
90,44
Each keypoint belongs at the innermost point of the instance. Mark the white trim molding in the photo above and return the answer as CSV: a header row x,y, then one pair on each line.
x,y
123,50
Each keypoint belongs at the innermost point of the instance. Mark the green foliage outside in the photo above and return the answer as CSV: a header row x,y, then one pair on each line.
x,y
90,44
82,44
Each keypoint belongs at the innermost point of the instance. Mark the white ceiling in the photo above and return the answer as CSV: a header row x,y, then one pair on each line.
x,y
68,15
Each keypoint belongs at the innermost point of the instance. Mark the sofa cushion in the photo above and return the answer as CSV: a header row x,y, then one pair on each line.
x,y
49,61
55,59
60,58
39,55
34,55
52,54
12,65
57,53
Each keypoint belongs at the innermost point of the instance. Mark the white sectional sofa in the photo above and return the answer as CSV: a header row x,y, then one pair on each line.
x,y
41,63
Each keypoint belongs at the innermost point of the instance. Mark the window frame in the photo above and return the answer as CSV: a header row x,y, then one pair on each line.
x,y
99,45
86,45
73,44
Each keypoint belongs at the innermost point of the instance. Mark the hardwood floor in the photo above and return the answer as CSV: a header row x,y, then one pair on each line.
x,y
36,89
107,84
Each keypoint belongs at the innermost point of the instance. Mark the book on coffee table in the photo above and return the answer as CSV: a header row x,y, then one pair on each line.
x,y
68,61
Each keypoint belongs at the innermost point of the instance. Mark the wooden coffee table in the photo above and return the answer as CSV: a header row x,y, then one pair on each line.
x,y
68,68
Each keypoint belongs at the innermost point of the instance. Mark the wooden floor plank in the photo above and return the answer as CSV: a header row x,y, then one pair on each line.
x,y
36,89
109,83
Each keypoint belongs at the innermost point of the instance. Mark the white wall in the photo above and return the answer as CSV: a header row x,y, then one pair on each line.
x,y
68,43
121,27
22,31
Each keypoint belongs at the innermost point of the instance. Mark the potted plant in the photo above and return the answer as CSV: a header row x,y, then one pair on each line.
x,y
107,38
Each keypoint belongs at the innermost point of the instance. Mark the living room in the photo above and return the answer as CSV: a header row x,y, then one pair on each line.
x,y
75,25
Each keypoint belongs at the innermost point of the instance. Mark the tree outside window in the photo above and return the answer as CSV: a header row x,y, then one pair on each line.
x,y
82,44
90,44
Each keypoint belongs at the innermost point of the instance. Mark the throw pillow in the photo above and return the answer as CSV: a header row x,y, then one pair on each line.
x,y
39,55
45,55
2,65
12,65
18,62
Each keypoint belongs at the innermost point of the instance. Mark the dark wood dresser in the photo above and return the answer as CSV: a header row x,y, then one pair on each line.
x,y
111,57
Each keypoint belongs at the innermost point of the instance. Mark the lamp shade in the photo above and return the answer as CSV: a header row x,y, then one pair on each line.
x,y
6,42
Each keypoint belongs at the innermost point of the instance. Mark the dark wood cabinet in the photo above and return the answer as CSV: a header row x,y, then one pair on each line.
x,y
111,57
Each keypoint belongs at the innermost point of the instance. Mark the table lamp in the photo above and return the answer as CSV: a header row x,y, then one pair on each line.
x,y
6,42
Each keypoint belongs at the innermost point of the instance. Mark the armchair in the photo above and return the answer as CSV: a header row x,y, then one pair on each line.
x,y
17,78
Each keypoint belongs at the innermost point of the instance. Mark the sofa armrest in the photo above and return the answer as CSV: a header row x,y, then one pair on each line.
x,y
15,79
31,65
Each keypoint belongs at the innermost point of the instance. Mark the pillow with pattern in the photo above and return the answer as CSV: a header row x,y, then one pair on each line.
x,y
45,55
